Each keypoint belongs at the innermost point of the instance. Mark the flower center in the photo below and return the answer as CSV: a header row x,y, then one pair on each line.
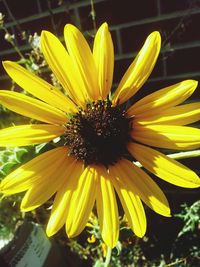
x,y
98,134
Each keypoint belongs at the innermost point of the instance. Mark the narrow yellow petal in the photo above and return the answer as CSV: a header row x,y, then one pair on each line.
x,y
165,136
51,181
32,172
38,87
164,167
103,53
62,200
40,192
131,203
31,107
82,202
139,71
164,98
179,115
30,134
83,60
142,185
107,208
61,64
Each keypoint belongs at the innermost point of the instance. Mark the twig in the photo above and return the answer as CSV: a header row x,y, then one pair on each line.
x,y
93,15
108,257
180,155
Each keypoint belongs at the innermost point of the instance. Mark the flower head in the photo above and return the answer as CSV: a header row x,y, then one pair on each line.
x,y
101,138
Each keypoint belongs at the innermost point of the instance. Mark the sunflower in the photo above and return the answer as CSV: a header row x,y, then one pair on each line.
x,y
100,137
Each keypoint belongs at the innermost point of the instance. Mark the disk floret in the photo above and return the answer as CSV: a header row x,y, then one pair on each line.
x,y
99,133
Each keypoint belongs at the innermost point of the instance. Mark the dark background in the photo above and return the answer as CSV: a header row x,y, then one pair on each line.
x,y
130,22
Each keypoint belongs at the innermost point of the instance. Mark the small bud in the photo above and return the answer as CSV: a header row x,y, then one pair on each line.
x,y
9,37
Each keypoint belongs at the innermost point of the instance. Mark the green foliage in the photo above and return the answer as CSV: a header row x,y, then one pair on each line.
x,y
9,206
10,216
10,158
190,217
130,251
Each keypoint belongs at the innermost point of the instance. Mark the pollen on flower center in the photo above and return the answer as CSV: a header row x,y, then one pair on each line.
x,y
98,134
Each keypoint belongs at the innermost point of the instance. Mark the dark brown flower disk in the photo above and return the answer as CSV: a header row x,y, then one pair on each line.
x,y
98,134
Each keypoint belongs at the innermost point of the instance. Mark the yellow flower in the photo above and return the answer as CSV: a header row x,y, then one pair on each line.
x,y
104,249
91,239
101,138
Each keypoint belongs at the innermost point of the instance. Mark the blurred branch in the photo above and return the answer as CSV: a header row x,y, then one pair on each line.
x,y
93,15
179,155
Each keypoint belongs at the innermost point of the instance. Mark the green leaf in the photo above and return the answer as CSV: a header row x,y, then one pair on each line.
x,y
98,264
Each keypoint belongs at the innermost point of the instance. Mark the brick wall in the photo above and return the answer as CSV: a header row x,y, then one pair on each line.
x,y
130,22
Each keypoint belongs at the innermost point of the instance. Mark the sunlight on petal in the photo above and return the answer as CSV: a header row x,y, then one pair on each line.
x,y
139,70
30,107
163,99
131,203
164,167
38,87
82,202
179,115
30,134
62,200
107,208
83,60
103,53
33,172
165,136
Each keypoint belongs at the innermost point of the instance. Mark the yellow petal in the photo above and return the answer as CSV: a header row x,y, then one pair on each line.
x,y
40,192
31,107
38,87
32,172
62,66
142,185
83,60
103,53
139,71
162,99
164,167
107,208
131,203
165,136
62,200
30,134
82,202
179,115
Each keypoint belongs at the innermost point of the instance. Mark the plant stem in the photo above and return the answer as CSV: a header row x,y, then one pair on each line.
x,y
12,43
186,154
108,257
180,155
93,15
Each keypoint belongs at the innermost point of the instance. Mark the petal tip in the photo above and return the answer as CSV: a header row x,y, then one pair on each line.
x,y
141,234
69,27
166,212
49,231
104,26
2,187
155,36
23,208
190,82
197,183
43,32
44,35
110,241
6,63
194,83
